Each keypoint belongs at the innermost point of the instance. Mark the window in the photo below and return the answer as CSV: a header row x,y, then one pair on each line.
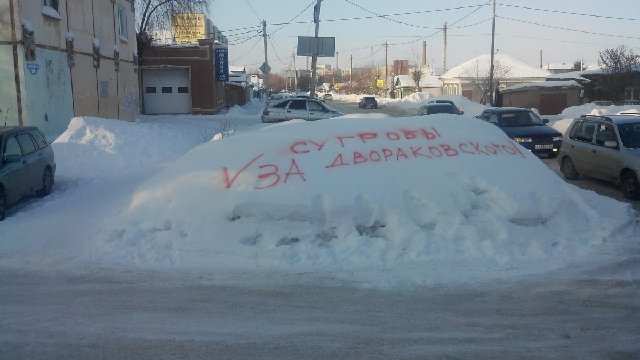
x,y
183,90
281,105
150,90
298,105
605,133
40,140
26,143
583,131
167,89
123,31
52,4
12,147
314,106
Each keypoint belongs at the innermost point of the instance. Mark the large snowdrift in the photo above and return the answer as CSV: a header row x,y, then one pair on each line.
x,y
444,192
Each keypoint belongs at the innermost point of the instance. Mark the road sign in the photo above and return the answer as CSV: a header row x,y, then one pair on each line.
x,y
265,68
380,83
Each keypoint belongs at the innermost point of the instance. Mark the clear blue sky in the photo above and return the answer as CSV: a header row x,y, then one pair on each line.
x,y
360,33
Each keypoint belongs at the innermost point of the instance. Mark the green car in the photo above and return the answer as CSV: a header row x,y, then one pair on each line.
x,y
27,165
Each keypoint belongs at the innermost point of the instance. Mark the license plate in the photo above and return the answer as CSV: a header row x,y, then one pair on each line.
x,y
550,146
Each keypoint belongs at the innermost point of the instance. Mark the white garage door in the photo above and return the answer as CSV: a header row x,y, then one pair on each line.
x,y
167,91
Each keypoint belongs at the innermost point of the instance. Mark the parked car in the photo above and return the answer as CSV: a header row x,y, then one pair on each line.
x,y
298,108
526,128
327,97
604,147
438,108
27,165
368,102
441,101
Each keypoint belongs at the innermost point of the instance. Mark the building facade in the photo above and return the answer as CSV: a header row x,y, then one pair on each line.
x,y
66,58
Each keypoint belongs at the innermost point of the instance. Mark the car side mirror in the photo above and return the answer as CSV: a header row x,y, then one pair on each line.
x,y
545,121
611,144
11,158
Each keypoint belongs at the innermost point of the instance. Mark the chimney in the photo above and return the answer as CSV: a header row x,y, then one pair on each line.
x,y
424,54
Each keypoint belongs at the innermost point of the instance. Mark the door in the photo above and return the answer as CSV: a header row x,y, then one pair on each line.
x,y
167,91
15,174
317,111
32,161
605,160
297,110
581,146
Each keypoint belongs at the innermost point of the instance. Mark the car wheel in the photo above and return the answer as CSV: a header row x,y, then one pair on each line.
x,y
630,185
47,183
568,169
3,205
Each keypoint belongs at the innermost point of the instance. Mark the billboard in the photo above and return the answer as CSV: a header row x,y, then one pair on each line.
x,y
222,64
320,46
188,28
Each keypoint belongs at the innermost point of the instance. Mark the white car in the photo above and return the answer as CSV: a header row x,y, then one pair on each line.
x,y
298,108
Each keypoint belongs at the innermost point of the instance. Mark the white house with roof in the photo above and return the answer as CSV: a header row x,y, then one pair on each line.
x,y
404,85
508,71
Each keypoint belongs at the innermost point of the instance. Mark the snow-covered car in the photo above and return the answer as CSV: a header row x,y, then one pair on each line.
x,y
27,165
604,147
526,128
298,108
438,108
442,101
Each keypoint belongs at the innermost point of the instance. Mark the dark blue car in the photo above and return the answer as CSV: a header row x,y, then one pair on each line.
x,y
526,128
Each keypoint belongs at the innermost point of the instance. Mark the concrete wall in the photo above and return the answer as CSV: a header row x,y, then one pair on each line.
x,y
47,99
51,90
8,105
548,101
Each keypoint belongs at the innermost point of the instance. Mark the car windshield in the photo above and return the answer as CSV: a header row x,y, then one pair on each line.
x,y
520,118
630,135
441,109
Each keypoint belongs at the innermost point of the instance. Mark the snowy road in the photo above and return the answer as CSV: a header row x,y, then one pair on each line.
x,y
144,315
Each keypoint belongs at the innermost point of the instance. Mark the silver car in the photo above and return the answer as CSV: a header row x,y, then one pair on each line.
x,y
604,147
298,108
27,165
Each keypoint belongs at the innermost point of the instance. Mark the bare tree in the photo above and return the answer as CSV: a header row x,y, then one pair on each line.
x,y
481,80
619,60
618,63
156,14
416,75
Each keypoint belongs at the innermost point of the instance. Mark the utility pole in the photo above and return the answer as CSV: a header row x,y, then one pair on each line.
x,y
314,57
444,48
386,68
351,76
295,76
265,67
493,39
541,58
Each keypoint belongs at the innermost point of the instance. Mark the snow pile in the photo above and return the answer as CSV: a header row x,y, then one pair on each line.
x,y
561,122
411,103
442,192
93,147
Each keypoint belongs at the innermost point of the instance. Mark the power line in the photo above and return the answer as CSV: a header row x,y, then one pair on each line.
x,y
568,29
569,12
248,51
295,17
252,9
275,52
387,17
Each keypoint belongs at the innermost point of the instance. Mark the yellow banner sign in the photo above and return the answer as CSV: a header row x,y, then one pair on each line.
x,y
380,83
188,28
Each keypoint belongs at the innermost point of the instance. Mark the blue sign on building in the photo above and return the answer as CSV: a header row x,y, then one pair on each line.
x,y
222,64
